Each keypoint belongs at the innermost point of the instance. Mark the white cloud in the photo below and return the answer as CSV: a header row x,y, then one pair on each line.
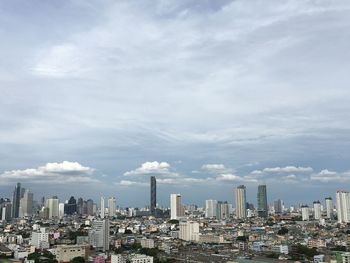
x,y
58,173
131,183
153,168
288,169
215,168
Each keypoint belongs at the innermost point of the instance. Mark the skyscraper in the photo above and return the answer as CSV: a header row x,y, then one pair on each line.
x,y
26,203
211,208
112,206
343,206
153,195
176,208
278,206
71,206
99,235
102,212
317,210
241,211
16,201
329,207
305,213
262,201
52,204
223,210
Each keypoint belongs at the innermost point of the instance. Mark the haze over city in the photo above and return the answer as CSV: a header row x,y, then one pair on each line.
x,y
97,96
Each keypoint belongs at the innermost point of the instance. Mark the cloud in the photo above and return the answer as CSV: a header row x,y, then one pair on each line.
x,y
153,168
326,176
287,169
215,168
131,183
58,173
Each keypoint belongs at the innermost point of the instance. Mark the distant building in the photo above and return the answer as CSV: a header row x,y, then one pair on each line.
x,y
211,208
65,253
278,206
52,203
343,206
223,210
329,208
16,197
189,231
40,239
112,206
153,195
147,243
176,208
102,211
118,259
71,207
26,203
99,235
262,201
305,213
241,211
317,210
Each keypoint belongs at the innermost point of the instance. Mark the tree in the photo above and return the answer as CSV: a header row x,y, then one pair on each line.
x,y
283,231
78,260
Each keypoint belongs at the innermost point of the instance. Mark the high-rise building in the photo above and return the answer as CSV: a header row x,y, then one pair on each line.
x,y
112,206
26,203
16,197
102,211
6,211
211,208
317,210
241,211
176,208
262,201
343,206
52,204
153,200
99,235
189,231
71,207
329,207
278,206
305,213
223,210
90,207
80,204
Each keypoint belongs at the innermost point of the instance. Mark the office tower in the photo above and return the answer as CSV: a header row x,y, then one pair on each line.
x,y
112,206
189,231
90,207
80,204
241,211
16,201
343,206
317,210
61,210
153,195
176,208
52,204
99,235
329,207
102,210
305,213
71,207
278,206
26,203
6,212
262,201
211,208
223,210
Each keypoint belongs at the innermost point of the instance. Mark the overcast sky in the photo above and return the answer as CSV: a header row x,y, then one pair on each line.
x,y
97,96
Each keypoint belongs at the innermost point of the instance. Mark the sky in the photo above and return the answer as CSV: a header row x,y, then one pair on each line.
x,y
97,96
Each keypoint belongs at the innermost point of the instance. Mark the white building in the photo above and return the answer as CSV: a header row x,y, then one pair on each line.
x,y
99,235
102,212
112,206
317,210
147,243
40,239
282,249
241,211
61,210
176,208
118,259
189,231
65,253
137,258
305,213
211,208
343,206
26,203
329,208
52,204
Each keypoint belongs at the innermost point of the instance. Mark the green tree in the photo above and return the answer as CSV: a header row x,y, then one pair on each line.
x,y
78,260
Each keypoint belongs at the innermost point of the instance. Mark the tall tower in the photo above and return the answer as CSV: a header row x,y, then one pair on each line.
x,y
262,201
153,195
26,203
102,212
317,210
241,211
52,204
343,206
305,213
211,208
329,207
176,209
99,235
16,200
112,206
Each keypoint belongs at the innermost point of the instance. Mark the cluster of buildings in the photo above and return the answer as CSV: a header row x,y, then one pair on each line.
x,y
217,232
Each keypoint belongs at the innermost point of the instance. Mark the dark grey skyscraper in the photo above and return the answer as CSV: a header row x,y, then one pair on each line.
x,y
262,201
153,195
16,200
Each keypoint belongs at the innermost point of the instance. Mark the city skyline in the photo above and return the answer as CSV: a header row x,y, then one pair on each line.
x,y
207,96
